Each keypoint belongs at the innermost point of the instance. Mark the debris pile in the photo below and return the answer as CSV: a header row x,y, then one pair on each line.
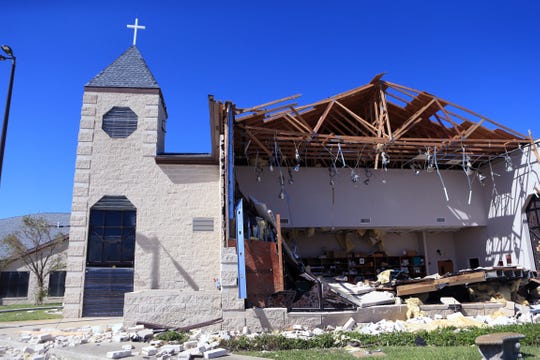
x,y
494,284
46,343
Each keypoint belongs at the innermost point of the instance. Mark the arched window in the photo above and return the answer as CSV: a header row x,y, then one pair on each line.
x,y
111,233
119,122
533,220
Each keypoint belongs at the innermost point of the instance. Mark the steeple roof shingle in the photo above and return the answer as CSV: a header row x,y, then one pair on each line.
x,y
129,70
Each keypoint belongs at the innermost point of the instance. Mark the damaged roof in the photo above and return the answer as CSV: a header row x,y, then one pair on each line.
x,y
380,124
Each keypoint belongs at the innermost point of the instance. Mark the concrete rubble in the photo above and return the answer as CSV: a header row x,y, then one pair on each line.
x,y
43,343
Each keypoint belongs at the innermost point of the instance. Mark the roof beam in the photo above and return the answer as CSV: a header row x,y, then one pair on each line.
x,y
370,127
260,144
257,107
323,117
413,120
385,113
297,123
349,121
301,119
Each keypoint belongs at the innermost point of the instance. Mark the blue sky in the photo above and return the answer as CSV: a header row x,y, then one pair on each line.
x,y
484,55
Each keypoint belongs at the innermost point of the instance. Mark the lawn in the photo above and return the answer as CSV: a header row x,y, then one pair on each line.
x,y
391,352
25,315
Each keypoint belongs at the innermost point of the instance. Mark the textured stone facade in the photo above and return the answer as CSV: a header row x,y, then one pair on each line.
x,y
169,255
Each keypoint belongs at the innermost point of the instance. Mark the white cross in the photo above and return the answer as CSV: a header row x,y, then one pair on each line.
x,y
135,27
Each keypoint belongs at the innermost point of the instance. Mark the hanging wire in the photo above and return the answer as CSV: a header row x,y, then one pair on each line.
x,y
466,165
439,173
281,176
258,168
508,165
332,171
493,174
297,158
340,154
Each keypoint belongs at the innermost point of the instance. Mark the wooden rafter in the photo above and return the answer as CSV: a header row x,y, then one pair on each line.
x,y
323,117
260,144
387,117
413,120
270,103
366,124
379,116
301,119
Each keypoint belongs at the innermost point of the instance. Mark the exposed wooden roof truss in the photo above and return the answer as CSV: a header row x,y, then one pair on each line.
x,y
380,124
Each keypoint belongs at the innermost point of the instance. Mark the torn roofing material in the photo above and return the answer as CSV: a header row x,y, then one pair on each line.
x,y
377,124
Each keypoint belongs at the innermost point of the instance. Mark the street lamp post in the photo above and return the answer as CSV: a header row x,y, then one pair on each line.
x,y
8,56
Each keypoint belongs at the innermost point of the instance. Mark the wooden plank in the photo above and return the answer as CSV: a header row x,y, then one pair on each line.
x,y
275,114
254,108
297,113
471,129
386,115
299,123
414,119
338,96
368,126
336,120
376,78
280,284
260,144
403,89
323,117
429,285
515,133
293,123
349,121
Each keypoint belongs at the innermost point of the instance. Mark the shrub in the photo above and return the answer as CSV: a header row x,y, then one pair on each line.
x,y
168,335
449,336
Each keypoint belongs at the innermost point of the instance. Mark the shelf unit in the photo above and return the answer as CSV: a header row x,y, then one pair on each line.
x,y
358,268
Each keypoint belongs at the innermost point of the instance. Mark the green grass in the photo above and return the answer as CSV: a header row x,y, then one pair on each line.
x,y
391,352
311,354
26,315
24,306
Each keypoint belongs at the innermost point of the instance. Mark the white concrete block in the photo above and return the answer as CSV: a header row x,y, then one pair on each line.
x,y
349,325
120,337
156,343
454,316
149,350
25,337
215,353
184,355
172,349
118,354
190,344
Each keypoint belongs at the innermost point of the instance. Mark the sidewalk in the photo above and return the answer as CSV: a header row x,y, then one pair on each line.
x,y
10,333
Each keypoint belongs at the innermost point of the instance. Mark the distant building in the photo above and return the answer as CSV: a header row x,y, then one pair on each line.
x,y
18,285
382,169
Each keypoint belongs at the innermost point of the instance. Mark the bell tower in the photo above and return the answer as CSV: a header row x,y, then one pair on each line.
x,y
121,131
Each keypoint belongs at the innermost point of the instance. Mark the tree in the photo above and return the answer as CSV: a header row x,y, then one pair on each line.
x,y
38,248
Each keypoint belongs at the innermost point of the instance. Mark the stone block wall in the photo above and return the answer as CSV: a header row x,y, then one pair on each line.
x,y
169,254
172,308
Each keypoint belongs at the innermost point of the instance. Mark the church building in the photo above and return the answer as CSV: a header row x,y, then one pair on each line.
x,y
376,177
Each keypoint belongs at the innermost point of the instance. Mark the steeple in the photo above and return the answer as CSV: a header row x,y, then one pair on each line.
x,y
129,70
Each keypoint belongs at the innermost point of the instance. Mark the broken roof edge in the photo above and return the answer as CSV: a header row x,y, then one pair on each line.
x,y
259,110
